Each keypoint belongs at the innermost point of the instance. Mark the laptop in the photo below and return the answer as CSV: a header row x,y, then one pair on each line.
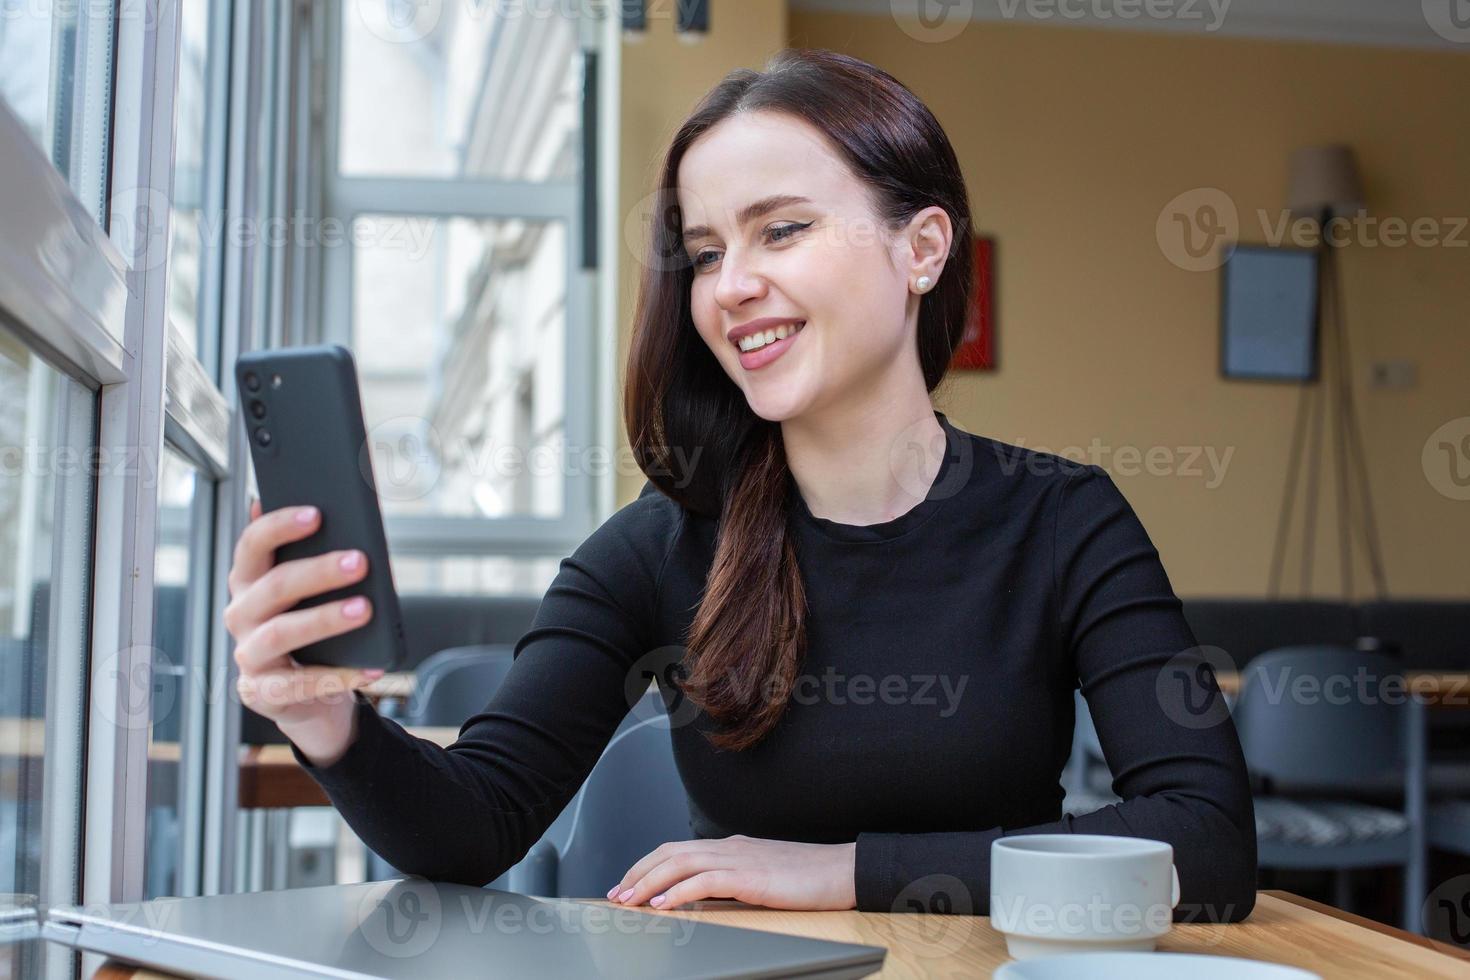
x,y
413,927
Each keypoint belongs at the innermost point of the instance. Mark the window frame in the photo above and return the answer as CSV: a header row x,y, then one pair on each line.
x,y
590,293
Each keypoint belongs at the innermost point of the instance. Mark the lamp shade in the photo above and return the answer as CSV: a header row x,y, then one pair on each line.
x,y
1324,178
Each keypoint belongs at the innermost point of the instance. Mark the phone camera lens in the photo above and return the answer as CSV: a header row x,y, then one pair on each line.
x,y
262,437
257,408
252,380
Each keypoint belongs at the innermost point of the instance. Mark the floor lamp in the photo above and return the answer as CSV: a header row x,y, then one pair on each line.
x,y
1325,185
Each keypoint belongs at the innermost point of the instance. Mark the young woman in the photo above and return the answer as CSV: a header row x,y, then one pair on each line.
x,y
880,618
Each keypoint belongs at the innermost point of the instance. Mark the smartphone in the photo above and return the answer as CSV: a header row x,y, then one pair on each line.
x,y
303,418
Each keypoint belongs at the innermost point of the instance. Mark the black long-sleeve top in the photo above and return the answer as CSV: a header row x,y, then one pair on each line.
x,y
934,714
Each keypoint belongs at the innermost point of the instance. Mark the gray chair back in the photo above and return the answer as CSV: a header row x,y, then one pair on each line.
x,y
1330,731
454,684
632,802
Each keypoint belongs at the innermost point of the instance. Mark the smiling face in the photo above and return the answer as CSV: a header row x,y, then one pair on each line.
x,y
817,252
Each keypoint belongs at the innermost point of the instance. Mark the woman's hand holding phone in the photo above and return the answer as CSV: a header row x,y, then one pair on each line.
x,y
313,706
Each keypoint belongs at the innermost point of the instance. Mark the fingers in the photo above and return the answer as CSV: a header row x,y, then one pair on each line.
x,y
678,864
269,692
718,883
255,551
254,509
286,584
273,640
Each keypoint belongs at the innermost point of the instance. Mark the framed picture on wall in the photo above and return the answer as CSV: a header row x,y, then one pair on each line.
x,y
977,348
1268,314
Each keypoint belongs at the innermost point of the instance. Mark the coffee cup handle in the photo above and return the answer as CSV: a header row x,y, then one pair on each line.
x,y
1174,896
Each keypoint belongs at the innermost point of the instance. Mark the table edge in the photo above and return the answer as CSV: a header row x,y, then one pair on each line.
x,y
1426,942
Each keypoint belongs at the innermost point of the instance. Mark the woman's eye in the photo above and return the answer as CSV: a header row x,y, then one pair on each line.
x,y
777,233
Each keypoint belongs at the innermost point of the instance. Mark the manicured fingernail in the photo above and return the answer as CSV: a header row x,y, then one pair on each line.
x,y
612,891
306,515
354,607
626,895
373,673
656,900
349,561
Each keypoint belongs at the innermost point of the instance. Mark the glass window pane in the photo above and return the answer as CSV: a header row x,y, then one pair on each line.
x,y
55,75
473,575
46,492
194,222
460,89
177,666
459,333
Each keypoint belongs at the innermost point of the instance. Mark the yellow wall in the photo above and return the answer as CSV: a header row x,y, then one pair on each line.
x,y
1073,142
662,79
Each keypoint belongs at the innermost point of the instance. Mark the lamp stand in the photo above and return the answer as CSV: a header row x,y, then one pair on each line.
x,y
1351,469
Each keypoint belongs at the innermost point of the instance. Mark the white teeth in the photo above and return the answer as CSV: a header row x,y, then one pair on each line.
x,y
756,341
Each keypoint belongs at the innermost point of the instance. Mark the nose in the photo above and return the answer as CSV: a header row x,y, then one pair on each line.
x,y
737,281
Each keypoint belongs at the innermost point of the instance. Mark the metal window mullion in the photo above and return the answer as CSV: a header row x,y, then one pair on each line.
x,y
127,498
239,326
223,223
609,252
66,669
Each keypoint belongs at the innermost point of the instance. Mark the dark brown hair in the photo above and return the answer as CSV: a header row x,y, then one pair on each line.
x,y
748,637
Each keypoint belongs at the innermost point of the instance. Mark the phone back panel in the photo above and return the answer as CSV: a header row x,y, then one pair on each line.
x,y
315,452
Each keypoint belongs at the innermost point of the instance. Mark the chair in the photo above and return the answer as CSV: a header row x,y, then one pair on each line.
x,y
632,801
1332,742
1449,826
1087,778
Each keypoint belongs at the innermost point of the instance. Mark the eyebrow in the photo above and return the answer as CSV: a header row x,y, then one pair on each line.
x,y
750,212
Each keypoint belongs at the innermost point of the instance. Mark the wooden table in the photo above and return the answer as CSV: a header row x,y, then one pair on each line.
x,y
1283,928
271,778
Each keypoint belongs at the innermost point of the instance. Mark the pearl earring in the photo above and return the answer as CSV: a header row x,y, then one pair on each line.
x,y
923,283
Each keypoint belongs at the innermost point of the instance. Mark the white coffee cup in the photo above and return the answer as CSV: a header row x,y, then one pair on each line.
x,y
1059,893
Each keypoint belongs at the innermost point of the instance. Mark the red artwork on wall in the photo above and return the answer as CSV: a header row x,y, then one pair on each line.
x,y
977,348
